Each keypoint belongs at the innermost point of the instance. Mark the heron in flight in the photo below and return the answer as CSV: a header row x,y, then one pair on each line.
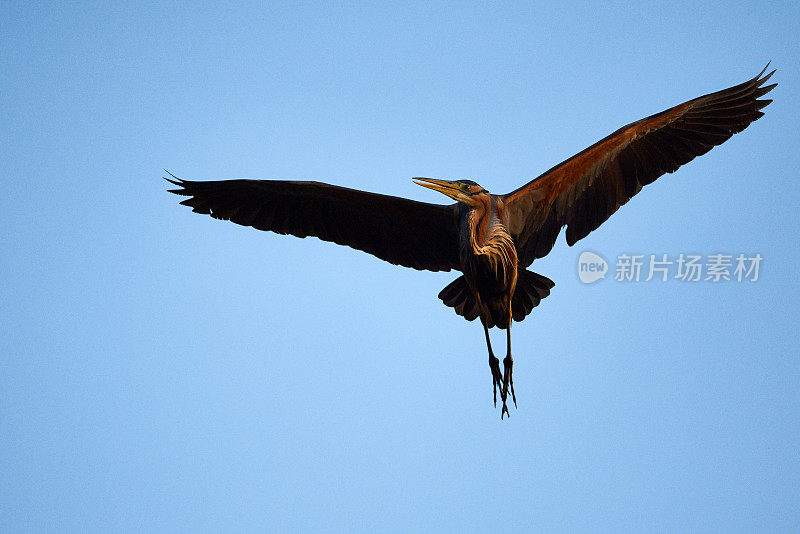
x,y
491,239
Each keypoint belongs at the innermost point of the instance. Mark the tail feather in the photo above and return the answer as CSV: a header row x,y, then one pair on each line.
x,y
531,289
458,295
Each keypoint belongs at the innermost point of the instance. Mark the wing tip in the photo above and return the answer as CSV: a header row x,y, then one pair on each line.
x,y
761,79
176,181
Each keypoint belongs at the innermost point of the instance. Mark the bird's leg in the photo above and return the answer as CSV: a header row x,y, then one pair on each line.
x,y
508,364
494,365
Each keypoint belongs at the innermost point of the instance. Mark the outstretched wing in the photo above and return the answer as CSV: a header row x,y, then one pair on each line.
x,y
584,191
397,230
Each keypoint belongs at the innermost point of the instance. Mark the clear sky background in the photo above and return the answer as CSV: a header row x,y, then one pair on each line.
x,y
163,371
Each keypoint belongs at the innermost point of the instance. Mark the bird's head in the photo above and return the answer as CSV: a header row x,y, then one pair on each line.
x,y
465,191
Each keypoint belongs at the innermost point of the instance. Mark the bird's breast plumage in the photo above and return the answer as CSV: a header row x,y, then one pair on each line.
x,y
488,254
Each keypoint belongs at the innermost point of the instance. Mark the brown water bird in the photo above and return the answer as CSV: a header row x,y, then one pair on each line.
x,y
491,239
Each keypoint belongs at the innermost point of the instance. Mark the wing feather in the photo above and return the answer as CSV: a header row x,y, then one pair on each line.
x,y
584,191
400,231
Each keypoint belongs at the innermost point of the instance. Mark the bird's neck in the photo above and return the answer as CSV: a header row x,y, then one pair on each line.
x,y
489,237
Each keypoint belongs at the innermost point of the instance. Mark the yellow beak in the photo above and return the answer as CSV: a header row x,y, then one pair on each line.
x,y
451,189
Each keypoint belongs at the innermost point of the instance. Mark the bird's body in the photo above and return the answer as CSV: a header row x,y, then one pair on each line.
x,y
491,239
488,256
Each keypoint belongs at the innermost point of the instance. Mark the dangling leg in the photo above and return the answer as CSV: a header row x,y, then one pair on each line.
x,y
494,365
508,364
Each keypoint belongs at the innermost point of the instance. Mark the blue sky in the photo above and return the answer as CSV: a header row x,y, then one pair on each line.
x,y
163,371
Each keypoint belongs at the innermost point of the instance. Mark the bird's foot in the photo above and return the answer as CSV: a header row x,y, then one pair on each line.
x,y
508,381
497,378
